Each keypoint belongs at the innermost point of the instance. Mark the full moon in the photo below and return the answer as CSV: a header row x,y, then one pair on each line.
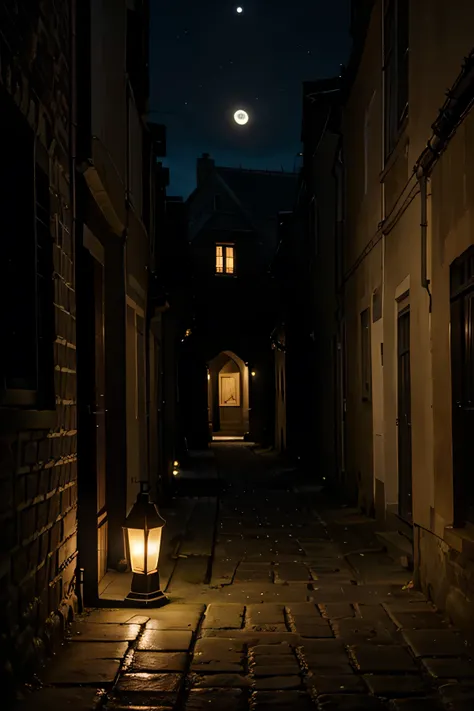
x,y
241,117
240,10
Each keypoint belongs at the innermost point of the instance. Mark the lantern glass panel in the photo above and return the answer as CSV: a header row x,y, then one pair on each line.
x,y
136,542
154,543
136,539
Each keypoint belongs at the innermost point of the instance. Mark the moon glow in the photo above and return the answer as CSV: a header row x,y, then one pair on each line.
x,y
241,117
240,10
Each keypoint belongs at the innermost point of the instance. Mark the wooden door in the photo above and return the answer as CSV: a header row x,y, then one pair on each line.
x,y
405,507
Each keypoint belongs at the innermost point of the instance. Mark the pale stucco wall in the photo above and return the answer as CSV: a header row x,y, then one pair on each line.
x,y
440,37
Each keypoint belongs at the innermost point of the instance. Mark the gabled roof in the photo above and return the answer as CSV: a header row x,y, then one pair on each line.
x,y
262,194
259,195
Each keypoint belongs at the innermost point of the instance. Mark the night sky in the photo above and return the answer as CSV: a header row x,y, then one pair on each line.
x,y
207,61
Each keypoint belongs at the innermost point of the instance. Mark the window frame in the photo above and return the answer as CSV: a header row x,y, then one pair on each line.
x,y
224,246
396,51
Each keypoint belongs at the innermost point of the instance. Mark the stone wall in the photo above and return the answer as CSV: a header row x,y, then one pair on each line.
x,y
38,449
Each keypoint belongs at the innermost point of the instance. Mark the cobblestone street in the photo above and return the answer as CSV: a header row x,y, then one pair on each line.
x,y
277,602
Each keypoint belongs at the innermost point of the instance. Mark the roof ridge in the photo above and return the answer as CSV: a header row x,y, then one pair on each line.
x,y
259,171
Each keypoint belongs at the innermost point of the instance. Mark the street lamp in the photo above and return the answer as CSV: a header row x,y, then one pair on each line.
x,y
142,532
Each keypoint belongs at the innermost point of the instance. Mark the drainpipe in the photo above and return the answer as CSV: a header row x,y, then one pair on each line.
x,y
423,181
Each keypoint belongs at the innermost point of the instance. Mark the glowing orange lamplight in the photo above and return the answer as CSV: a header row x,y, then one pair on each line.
x,y
142,530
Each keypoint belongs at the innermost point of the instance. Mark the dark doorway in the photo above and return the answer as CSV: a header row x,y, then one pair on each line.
x,y
93,524
462,379
405,508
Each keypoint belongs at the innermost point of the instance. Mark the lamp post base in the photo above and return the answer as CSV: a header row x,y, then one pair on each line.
x,y
152,599
146,591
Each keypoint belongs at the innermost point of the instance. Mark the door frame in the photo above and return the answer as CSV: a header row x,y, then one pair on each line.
x,y
405,479
90,285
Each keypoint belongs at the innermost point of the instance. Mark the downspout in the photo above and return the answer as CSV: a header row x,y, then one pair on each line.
x,y
423,181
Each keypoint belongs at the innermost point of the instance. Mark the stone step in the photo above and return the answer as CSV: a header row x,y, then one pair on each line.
x,y
398,547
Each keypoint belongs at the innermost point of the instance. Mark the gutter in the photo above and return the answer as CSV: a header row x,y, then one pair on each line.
x,y
459,102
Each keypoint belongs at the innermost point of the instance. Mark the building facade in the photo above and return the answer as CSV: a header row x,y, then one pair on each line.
x,y
306,270
407,281
233,235
79,209
38,410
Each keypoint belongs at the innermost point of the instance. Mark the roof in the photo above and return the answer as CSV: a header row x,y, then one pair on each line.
x,y
262,193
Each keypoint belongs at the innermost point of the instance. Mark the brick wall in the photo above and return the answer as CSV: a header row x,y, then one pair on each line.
x,y
38,467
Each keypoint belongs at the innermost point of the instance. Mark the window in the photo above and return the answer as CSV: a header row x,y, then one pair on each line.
x,y
396,52
26,363
225,259
365,359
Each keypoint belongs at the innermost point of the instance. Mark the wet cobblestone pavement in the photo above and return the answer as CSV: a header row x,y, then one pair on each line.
x,y
302,610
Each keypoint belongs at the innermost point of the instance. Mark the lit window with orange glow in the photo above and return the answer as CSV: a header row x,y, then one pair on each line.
x,y
225,259
219,259
229,260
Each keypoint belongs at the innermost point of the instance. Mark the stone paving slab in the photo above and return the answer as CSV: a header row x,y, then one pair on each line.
x,y
150,683
140,701
313,629
214,666
98,632
164,641
178,617
216,700
255,638
336,684
79,651
277,683
396,686
330,666
350,702
115,616
418,704
449,668
63,699
436,643
419,620
219,681
159,662
216,647
337,610
224,616
379,659
357,631
282,701
90,672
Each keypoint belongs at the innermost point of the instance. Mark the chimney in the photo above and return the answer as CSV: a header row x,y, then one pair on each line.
x,y
205,166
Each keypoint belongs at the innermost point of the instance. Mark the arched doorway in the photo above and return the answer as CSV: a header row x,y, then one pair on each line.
x,y
228,396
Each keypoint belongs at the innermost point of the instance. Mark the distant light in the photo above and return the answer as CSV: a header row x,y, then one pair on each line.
x,y
208,376
176,463
240,10
253,374
241,117
175,472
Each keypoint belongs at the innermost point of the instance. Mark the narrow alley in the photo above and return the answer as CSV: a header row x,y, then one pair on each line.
x,y
278,600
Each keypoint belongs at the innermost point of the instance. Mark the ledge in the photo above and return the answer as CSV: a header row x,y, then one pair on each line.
x,y
14,419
